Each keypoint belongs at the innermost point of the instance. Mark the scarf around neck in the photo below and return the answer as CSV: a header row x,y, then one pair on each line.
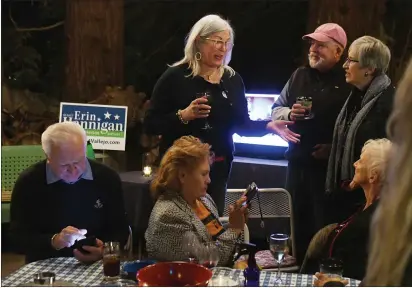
x,y
343,147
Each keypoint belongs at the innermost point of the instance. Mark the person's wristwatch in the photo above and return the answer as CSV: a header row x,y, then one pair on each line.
x,y
51,242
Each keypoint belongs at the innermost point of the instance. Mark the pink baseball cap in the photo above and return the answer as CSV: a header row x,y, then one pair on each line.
x,y
328,32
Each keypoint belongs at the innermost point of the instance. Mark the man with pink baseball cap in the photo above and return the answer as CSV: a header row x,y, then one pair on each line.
x,y
312,98
328,32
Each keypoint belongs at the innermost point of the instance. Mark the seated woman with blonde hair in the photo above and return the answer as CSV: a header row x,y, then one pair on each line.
x,y
183,206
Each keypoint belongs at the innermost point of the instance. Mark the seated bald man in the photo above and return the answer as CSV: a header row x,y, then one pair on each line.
x,y
66,198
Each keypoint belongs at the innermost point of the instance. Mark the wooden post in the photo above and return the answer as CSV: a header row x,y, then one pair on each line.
x,y
95,42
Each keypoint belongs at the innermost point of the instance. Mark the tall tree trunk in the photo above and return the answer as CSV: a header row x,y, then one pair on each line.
x,y
95,42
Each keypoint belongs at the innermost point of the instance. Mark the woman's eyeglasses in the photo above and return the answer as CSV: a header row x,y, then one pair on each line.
x,y
349,60
219,44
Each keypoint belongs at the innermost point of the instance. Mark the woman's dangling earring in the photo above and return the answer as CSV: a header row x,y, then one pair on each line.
x,y
198,56
366,74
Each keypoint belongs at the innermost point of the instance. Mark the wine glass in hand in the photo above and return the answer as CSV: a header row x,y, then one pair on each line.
x,y
279,248
208,96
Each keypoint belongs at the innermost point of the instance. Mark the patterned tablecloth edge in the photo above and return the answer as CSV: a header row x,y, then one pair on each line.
x,y
88,275
69,269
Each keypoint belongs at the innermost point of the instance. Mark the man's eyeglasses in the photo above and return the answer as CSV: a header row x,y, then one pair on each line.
x,y
219,44
348,60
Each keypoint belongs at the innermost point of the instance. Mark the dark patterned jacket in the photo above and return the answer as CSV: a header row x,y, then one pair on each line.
x,y
171,218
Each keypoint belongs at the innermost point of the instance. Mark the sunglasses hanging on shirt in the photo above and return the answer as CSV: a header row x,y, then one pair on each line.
x,y
223,89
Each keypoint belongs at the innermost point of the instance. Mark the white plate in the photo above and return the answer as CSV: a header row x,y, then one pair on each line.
x,y
223,281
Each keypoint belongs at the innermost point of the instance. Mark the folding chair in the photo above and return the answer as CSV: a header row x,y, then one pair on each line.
x,y
276,203
14,160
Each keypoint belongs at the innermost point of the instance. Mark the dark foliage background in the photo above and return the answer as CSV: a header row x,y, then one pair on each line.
x,y
268,45
267,48
267,42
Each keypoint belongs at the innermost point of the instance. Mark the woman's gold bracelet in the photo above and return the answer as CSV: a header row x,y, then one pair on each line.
x,y
179,115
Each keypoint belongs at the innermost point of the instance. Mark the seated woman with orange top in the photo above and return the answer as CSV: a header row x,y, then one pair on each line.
x,y
183,206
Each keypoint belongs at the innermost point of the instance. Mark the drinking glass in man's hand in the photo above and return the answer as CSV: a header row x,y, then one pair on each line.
x,y
111,261
306,103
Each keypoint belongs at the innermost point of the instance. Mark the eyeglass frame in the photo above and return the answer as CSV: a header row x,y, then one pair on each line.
x,y
222,43
349,61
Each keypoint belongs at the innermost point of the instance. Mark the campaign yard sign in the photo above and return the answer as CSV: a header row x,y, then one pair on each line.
x,y
105,125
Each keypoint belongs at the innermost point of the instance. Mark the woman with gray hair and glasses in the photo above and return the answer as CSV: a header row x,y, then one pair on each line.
x,y
390,245
363,117
183,97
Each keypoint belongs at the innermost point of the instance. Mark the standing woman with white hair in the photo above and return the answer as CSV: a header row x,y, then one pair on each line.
x,y
363,117
179,105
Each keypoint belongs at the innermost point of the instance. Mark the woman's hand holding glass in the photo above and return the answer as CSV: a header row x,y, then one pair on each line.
x,y
196,109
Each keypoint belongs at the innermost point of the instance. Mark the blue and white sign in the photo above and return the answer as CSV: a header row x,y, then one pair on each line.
x,y
105,125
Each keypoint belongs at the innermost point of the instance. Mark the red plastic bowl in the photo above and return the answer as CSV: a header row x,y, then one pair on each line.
x,y
174,274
